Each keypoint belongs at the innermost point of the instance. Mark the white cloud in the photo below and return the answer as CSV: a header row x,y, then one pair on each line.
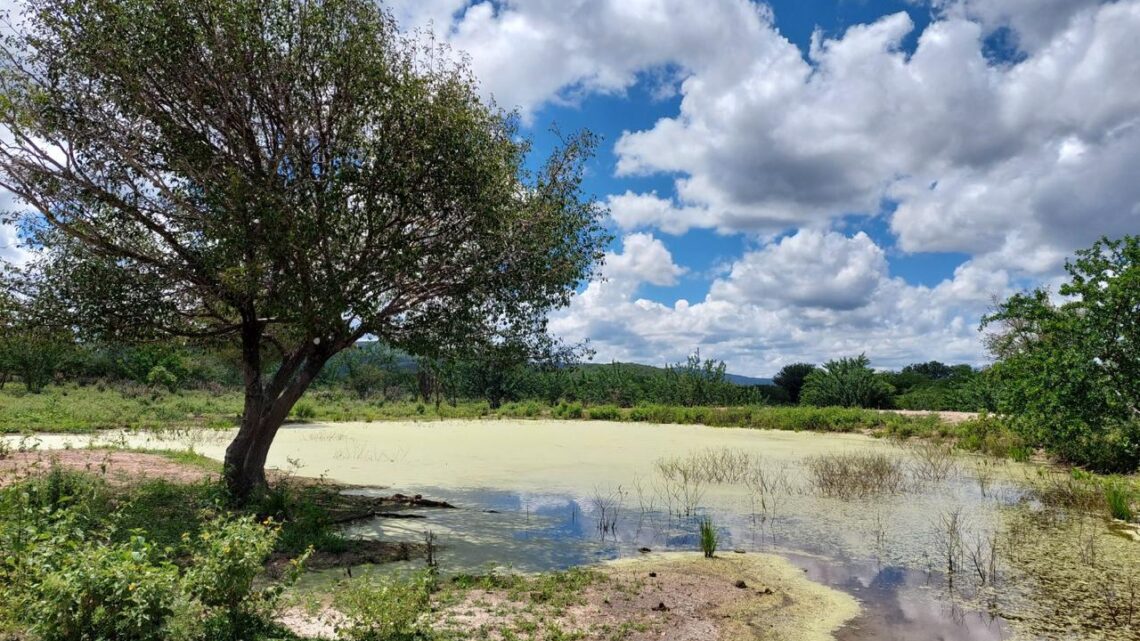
x,y
636,211
644,259
809,269
528,53
786,141
786,302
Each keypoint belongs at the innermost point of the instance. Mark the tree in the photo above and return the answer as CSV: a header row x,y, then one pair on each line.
x,y
1069,373
288,175
846,382
791,378
933,370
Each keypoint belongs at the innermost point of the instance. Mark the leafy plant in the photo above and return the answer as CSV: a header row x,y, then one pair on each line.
x,y
1067,374
384,609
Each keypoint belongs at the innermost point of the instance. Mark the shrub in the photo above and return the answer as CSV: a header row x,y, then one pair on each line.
x,y
113,592
221,574
304,411
389,609
604,413
159,376
568,410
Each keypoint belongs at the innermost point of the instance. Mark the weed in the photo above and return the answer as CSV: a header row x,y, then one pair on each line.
x,y
849,476
932,461
709,538
1119,501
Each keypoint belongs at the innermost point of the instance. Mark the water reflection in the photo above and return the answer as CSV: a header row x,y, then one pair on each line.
x,y
500,529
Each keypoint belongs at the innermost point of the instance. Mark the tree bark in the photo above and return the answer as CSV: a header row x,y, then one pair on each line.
x,y
266,407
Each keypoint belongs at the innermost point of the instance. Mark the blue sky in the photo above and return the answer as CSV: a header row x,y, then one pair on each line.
x,y
801,180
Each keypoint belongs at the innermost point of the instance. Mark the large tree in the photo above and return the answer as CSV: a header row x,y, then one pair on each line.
x,y
1069,371
291,175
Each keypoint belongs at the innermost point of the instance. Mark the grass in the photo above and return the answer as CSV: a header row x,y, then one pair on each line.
x,y
1119,501
78,408
709,538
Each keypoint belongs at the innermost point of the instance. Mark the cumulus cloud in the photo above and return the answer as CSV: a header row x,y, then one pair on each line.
x,y
809,269
644,259
529,53
789,301
980,155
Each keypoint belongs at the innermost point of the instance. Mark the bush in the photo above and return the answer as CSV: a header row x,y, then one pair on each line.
x,y
304,411
159,376
388,609
113,592
604,413
71,574
568,410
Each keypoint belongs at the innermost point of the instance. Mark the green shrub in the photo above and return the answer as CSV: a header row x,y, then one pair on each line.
x,y
568,410
304,411
220,578
78,569
388,609
103,592
604,413
159,376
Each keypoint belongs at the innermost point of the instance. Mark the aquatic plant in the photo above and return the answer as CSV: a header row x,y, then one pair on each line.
x,y
709,538
932,461
848,476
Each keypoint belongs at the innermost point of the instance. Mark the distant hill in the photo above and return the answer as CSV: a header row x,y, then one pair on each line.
x,y
748,380
407,363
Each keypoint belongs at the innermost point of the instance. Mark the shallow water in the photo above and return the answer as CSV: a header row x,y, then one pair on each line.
x,y
543,495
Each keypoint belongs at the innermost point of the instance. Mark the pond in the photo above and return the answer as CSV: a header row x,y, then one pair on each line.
x,y
547,495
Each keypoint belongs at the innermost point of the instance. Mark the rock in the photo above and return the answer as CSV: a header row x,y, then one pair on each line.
x,y
741,584
644,550
738,551
661,607
653,574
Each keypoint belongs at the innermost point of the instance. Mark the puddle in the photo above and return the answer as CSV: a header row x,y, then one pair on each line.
x,y
548,495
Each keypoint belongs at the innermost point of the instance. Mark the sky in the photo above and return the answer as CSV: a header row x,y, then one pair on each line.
x,y
800,180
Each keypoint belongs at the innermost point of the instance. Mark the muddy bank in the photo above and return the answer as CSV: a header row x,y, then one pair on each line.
x,y
659,597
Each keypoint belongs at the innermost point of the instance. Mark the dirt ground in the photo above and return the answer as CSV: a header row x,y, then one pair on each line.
x,y
119,468
952,418
666,597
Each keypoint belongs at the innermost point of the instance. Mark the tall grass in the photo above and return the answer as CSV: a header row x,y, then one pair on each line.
x,y
1119,501
709,538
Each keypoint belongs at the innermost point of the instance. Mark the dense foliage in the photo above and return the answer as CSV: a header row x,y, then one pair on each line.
x,y
286,176
79,568
845,382
1069,372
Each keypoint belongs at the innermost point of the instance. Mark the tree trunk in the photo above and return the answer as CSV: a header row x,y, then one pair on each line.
x,y
266,408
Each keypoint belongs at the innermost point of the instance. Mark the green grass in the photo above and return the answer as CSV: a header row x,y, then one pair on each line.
x,y
1119,500
709,538
74,408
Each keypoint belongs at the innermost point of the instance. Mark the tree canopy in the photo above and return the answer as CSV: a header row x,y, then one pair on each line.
x,y
1069,371
845,382
288,175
